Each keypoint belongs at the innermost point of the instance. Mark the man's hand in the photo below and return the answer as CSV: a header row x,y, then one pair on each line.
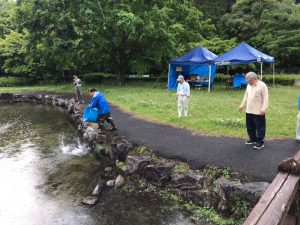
x,y
176,97
262,113
240,109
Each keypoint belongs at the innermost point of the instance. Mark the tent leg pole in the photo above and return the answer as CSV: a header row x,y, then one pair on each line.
x,y
169,75
274,74
261,69
209,76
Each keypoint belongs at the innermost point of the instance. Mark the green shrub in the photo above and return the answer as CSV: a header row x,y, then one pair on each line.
x,y
283,80
97,77
221,77
12,81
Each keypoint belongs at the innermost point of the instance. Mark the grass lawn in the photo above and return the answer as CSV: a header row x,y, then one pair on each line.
x,y
213,114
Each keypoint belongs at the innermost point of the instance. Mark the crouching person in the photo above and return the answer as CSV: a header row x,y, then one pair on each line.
x,y
98,101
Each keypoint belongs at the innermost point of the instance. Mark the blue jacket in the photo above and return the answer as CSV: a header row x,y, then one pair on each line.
x,y
99,102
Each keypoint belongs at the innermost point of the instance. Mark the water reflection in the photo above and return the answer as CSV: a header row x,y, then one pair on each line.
x,y
45,171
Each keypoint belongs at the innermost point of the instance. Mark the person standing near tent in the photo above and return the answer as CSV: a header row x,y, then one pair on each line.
x,y
183,93
77,86
98,101
256,100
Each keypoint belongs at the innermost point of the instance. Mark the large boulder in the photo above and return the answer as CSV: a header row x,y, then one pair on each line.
x,y
27,98
230,191
159,174
61,102
6,96
120,181
71,105
121,149
188,181
90,200
47,99
202,198
135,164
90,135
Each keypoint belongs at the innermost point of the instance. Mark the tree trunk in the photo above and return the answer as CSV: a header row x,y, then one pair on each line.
x,y
63,75
121,78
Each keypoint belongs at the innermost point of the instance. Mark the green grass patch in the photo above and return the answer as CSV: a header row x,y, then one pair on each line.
x,y
214,113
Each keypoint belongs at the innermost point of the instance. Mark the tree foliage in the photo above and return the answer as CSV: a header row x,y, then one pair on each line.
x,y
50,39
270,25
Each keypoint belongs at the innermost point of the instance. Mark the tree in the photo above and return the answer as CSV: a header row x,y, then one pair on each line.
x,y
52,38
136,36
270,25
280,34
13,53
6,23
6,17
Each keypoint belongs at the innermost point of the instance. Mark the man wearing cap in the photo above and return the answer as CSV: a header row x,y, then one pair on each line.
x,y
98,101
77,86
183,93
256,100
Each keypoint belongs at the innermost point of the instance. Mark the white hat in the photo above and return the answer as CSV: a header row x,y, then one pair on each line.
x,y
179,77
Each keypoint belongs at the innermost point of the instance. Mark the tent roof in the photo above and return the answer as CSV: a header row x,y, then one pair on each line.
x,y
243,54
198,56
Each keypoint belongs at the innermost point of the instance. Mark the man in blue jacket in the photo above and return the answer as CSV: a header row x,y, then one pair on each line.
x,y
98,101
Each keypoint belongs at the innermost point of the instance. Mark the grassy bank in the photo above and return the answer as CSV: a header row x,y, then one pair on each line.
x,y
214,114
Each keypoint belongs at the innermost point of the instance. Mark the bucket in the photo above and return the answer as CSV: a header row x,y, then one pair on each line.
x,y
90,115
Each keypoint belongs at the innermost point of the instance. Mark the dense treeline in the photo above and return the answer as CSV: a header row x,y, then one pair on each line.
x,y
50,39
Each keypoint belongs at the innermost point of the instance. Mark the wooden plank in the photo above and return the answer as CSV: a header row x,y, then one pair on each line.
x,y
277,211
266,199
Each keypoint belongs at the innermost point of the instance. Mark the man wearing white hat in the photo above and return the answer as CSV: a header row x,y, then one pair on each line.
x,y
183,93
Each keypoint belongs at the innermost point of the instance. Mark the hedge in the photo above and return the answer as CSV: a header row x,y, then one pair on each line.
x,y
279,80
12,81
284,80
97,77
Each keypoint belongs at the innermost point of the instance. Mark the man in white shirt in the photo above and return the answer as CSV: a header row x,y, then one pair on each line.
x,y
256,100
183,93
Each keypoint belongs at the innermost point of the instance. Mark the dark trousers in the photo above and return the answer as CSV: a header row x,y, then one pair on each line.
x,y
107,118
256,127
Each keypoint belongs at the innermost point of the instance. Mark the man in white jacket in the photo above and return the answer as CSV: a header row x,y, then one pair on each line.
x,y
183,93
256,100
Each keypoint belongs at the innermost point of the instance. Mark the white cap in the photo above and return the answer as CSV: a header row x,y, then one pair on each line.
x,y
179,77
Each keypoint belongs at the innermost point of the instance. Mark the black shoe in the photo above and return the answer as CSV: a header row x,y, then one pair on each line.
x,y
249,142
259,146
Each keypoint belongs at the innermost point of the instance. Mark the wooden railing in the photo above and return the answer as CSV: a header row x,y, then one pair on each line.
x,y
273,207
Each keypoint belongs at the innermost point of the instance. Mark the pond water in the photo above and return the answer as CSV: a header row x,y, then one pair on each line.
x,y
45,172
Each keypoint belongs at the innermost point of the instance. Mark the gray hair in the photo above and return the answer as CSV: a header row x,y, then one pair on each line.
x,y
252,76
180,77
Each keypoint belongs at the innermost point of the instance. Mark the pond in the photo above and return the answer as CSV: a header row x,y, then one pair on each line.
x,y
46,170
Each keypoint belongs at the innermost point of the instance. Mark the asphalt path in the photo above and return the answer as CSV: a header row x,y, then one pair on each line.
x,y
200,151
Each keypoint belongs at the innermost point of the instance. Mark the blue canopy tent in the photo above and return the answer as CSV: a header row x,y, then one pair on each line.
x,y
197,61
244,54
